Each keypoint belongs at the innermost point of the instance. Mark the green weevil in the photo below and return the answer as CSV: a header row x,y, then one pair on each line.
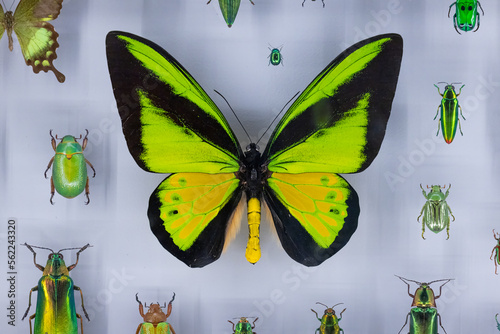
x,y
498,323
449,112
243,326
329,321
496,251
275,58
423,315
466,14
436,212
55,305
155,320
323,1
229,10
69,171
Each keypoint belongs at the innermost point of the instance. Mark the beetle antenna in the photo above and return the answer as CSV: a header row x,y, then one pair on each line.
x,y
456,83
25,244
173,297
337,304
322,304
441,280
276,117
405,279
80,248
234,114
440,82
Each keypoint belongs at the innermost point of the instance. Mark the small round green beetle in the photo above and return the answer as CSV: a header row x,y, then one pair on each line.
x,y
436,211
323,1
329,321
466,15
449,112
275,58
496,251
423,315
243,326
69,172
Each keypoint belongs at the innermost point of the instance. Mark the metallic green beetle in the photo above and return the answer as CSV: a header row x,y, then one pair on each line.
x,y
496,251
424,316
329,321
449,112
498,323
229,10
155,320
436,211
323,1
275,58
243,326
55,305
69,173
466,14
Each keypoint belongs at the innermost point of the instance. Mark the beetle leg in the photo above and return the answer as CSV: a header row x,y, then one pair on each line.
x,y
316,314
232,323
171,328
252,2
140,325
52,190
437,111
83,307
31,318
48,166
208,1
53,141
253,324
34,261
341,330
303,3
90,166
480,7
440,324
451,213
323,3
421,211
81,321
439,125
78,257
449,9
478,21
423,230
87,191
141,308
29,304
406,317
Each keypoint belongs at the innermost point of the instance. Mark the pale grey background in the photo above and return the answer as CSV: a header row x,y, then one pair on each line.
x,y
126,257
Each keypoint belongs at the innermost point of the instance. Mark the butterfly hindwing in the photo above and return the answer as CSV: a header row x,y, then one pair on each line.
x,y
338,123
37,37
315,214
189,213
163,109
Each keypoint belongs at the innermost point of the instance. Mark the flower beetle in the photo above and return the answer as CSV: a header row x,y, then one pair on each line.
x,y
424,316
436,211
155,320
329,321
275,58
243,326
498,323
449,112
323,1
466,14
229,10
55,305
69,170
496,251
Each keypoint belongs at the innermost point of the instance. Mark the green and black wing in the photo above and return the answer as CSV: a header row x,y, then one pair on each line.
x,y
172,126
335,126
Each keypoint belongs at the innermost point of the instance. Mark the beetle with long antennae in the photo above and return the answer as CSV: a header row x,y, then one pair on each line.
x,y
423,315
329,321
55,305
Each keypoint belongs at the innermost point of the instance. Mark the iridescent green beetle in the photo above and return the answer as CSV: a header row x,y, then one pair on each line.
x,y
496,251
229,10
436,211
323,1
275,58
55,304
329,321
449,112
69,173
243,326
466,14
155,320
423,315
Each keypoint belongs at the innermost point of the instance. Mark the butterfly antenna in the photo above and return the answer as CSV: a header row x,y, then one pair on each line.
x,y
275,118
234,115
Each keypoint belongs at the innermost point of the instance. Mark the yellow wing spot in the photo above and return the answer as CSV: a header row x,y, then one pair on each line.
x,y
189,228
317,225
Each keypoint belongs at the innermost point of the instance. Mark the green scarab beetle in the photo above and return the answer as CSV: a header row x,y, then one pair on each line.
x,y
329,321
466,14
436,212
243,326
275,58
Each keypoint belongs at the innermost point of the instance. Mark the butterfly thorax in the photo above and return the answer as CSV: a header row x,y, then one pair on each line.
x,y
252,172
8,24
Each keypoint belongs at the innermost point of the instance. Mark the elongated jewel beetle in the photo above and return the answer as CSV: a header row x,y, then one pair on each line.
x,y
436,212
323,1
229,10
466,14
424,316
329,321
55,304
449,112
243,326
496,251
69,169
155,320
498,323
275,58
